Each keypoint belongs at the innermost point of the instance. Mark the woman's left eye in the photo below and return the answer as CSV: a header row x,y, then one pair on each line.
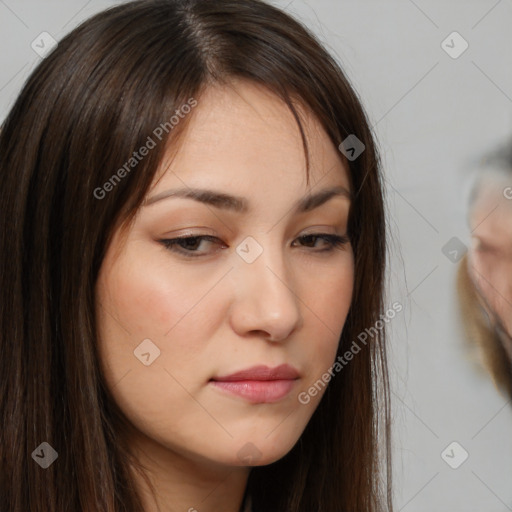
x,y
332,241
188,245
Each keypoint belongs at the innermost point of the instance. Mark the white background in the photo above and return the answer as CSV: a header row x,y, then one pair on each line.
x,y
433,115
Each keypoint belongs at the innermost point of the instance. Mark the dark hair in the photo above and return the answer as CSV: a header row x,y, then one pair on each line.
x,y
82,113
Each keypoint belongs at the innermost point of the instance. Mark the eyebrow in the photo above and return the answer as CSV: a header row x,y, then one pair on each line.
x,y
241,205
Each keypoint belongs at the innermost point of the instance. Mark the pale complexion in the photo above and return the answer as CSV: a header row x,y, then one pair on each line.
x,y
215,314
490,257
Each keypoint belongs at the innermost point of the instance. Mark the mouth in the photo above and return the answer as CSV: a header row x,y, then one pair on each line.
x,y
259,384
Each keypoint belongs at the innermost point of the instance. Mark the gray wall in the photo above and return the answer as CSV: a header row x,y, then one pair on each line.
x,y
433,115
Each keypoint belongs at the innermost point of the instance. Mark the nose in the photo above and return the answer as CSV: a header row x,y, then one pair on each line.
x,y
265,302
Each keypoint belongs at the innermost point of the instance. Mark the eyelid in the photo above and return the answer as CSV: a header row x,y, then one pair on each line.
x,y
172,244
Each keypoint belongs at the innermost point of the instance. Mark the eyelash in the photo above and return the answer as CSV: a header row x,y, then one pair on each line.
x,y
334,241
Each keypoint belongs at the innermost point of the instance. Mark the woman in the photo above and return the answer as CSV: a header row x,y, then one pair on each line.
x,y
179,295
484,279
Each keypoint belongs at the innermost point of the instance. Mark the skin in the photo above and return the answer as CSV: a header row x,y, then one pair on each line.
x,y
490,256
216,314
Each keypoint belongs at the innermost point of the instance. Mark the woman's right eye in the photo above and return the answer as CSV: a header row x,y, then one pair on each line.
x,y
188,245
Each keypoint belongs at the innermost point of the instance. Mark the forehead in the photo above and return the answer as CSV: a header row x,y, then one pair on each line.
x,y
242,128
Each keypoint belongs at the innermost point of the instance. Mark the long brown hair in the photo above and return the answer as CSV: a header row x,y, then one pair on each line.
x,y
82,113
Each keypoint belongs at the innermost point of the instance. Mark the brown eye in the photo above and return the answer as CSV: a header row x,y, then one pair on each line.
x,y
331,241
188,245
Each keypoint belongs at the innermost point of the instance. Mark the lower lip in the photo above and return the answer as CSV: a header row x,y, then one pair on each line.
x,y
257,391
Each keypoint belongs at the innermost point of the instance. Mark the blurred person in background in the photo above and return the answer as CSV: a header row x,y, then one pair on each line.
x,y
484,279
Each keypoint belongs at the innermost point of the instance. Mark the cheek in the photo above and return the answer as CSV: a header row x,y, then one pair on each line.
x,y
484,271
146,298
328,301
140,300
149,298
148,302
331,292
479,270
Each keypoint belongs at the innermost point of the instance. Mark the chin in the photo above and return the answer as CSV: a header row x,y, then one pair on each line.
x,y
261,452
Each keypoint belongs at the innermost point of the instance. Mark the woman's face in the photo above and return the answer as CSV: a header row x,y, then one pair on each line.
x,y
490,257
254,287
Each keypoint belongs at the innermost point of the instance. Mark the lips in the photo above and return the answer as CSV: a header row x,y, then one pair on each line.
x,y
261,372
259,384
